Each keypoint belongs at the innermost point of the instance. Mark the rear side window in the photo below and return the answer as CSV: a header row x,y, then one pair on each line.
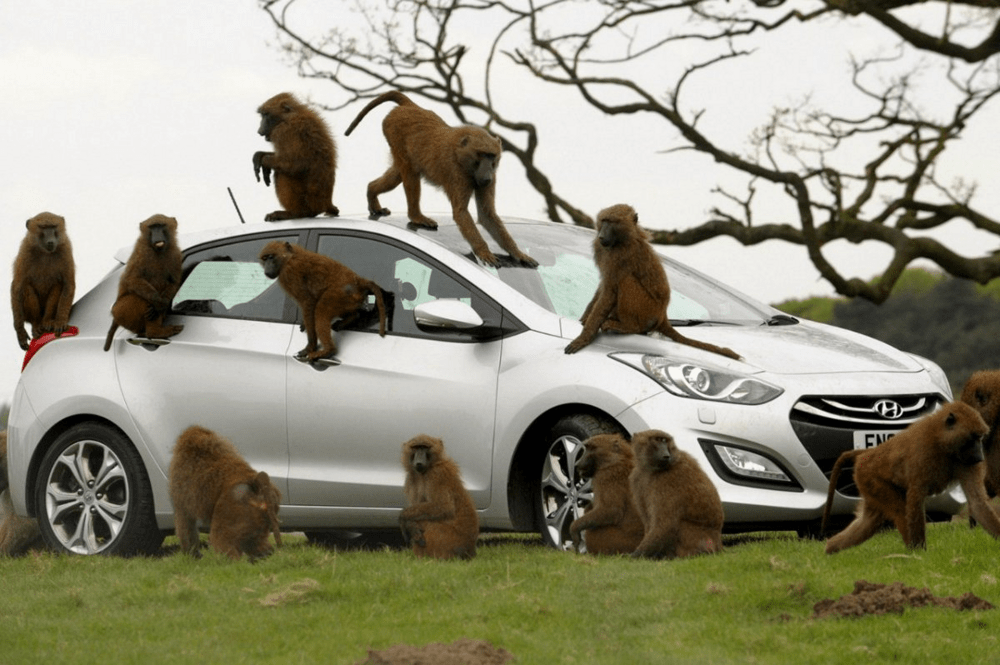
x,y
227,281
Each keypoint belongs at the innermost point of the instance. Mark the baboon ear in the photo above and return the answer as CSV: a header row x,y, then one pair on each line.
x,y
465,141
950,420
261,481
288,246
27,224
240,491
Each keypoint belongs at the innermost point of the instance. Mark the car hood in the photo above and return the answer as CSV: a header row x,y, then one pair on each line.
x,y
801,348
809,348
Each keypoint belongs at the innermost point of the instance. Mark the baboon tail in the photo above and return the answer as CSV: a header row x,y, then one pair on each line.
x,y
391,96
380,303
111,335
672,333
834,475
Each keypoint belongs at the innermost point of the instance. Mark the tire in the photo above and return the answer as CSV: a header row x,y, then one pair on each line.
x,y
93,495
562,496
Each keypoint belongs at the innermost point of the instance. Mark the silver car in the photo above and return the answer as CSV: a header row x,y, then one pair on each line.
x,y
475,356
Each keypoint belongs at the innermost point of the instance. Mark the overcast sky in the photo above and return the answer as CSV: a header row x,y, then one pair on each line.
x,y
114,111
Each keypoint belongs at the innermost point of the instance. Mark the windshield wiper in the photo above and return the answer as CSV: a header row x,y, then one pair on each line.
x,y
781,320
681,323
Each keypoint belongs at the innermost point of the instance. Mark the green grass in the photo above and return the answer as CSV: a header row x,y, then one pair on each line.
x,y
750,604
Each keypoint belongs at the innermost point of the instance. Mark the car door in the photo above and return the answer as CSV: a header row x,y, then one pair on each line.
x,y
226,370
347,423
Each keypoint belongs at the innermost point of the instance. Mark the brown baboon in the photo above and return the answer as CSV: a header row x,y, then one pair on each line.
x,y
17,534
460,160
679,506
633,294
982,392
324,290
211,482
440,519
149,282
895,477
304,160
611,522
41,292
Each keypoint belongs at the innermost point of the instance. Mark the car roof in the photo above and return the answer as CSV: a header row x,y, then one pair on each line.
x,y
400,223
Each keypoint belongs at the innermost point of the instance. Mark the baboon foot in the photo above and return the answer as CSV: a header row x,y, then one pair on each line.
x,y
375,213
525,260
487,258
423,222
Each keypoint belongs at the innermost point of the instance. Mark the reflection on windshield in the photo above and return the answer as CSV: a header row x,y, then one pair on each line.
x,y
566,278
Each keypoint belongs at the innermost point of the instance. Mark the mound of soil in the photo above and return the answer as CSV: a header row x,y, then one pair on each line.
x,y
460,652
871,598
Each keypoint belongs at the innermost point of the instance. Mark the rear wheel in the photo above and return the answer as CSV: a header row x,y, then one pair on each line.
x,y
563,496
93,495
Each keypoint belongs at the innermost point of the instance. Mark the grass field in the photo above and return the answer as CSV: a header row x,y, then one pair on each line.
x,y
308,604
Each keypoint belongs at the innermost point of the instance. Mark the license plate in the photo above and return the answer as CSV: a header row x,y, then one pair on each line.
x,y
863,439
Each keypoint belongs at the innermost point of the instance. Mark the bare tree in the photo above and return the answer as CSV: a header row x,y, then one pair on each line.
x,y
867,173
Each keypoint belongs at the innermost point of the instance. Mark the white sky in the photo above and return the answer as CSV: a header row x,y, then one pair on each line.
x,y
114,111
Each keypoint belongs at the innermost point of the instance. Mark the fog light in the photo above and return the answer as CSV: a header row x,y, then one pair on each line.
x,y
750,465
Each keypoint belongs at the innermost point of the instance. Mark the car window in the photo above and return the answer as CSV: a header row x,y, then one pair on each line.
x,y
228,281
411,280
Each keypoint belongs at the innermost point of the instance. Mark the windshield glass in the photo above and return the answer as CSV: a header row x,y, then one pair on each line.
x,y
567,277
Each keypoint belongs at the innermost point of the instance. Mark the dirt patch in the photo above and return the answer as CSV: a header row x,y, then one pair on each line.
x,y
461,652
871,598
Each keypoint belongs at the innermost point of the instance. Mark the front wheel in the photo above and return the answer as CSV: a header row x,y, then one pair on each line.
x,y
93,495
563,495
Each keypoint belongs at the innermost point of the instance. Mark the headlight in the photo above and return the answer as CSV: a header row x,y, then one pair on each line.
x,y
701,380
937,374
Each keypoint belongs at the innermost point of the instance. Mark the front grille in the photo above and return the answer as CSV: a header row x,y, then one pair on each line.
x,y
826,425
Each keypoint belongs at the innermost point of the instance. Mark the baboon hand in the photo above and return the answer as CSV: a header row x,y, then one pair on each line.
x,y
259,168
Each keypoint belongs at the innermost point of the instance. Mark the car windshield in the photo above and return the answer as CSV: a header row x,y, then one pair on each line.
x,y
567,277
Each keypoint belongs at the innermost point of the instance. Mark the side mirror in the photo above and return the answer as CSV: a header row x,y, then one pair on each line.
x,y
447,313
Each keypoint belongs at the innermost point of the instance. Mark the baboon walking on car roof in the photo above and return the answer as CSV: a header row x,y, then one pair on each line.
x,y
462,161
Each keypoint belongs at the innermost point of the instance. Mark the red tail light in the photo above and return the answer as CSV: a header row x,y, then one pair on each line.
x,y
39,342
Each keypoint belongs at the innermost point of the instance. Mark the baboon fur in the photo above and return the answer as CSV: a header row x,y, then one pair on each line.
x,y
633,293
679,506
462,161
304,160
324,289
611,523
896,476
149,282
211,482
17,534
439,519
41,292
982,392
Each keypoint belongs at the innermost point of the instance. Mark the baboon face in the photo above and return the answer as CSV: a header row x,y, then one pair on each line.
x,y
46,229
599,451
963,434
982,392
420,453
273,257
273,112
613,224
159,231
654,449
479,154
